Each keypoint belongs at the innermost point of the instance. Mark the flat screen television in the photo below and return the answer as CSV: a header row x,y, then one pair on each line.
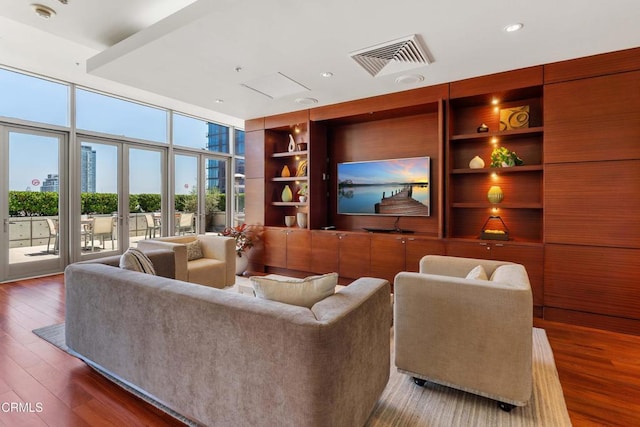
x,y
394,187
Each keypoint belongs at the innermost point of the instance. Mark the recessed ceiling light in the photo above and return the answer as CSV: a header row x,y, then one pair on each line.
x,y
219,101
408,79
306,101
513,27
44,12
327,74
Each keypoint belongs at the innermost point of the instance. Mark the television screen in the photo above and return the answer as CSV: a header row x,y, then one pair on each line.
x,y
396,187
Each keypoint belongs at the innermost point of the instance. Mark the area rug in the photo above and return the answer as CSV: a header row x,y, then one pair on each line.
x,y
403,403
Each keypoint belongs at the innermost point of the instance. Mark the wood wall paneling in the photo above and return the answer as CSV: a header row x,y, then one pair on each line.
x,y
592,66
412,136
601,280
384,106
499,82
287,120
417,247
254,154
254,201
254,124
593,203
593,120
592,320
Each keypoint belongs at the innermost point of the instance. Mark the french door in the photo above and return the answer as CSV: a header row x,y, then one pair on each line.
x,y
32,202
200,190
120,199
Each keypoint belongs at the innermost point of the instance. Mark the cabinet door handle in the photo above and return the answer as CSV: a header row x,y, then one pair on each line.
x,y
499,244
483,244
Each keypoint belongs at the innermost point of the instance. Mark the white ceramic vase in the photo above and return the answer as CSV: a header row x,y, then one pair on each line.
x,y
301,218
476,163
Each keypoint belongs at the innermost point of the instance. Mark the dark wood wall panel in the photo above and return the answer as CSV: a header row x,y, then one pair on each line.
x,y
254,124
593,279
287,119
254,154
506,81
377,105
412,136
592,66
591,320
593,203
593,120
254,200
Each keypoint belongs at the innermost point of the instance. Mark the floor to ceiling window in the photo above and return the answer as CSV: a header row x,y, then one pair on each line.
x,y
111,180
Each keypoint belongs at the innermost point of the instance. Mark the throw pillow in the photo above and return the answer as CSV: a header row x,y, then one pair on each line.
x,y
194,250
134,259
477,273
508,273
303,292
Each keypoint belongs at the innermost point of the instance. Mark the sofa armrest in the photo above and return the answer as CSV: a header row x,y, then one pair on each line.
x,y
221,248
179,250
456,266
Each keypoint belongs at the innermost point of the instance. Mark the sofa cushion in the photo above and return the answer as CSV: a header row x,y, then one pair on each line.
x,y
303,292
194,250
477,273
134,259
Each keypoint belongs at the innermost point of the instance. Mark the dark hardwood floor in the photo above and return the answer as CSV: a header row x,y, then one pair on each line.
x,y
599,371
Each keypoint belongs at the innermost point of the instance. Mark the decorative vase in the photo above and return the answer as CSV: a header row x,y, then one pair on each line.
x,y
495,194
289,220
301,218
287,195
292,144
476,163
285,172
302,199
242,262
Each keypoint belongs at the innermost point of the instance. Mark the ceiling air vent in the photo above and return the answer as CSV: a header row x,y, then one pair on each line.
x,y
392,57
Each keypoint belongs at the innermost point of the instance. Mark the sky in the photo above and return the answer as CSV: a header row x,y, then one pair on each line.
x,y
385,171
33,157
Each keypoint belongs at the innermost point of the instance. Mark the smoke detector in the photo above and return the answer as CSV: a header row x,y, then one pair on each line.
x,y
44,12
394,56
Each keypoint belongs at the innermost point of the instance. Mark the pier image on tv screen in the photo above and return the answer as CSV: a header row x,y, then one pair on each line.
x,y
396,187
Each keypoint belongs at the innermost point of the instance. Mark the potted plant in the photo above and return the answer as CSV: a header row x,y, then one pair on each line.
x,y
302,192
504,158
246,237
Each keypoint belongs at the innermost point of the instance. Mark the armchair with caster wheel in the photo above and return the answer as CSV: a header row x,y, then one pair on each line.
x,y
466,327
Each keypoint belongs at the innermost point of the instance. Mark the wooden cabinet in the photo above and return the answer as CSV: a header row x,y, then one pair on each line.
x,y
522,186
393,253
530,255
346,253
288,248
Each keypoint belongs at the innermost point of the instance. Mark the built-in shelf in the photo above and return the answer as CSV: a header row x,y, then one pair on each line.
x,y
514,169
506,134
475,205
290,154
289,203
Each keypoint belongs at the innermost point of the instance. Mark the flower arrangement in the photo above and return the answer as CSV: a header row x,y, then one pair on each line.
x,y
246,236
504,158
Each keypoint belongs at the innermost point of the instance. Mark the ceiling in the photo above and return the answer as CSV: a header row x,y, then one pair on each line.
x,y
199,56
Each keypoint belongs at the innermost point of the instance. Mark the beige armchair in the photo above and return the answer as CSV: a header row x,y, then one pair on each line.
x,y
217,266
470,334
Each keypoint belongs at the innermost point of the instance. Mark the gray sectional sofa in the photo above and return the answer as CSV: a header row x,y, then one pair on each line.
x,y
225,359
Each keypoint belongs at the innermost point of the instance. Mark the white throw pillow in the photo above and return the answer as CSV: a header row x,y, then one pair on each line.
x,y
135,260
303,292
508,273
477,273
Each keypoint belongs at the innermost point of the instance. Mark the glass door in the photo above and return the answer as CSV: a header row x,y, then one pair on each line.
x,y
100,217
200,189
32,202
121,196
